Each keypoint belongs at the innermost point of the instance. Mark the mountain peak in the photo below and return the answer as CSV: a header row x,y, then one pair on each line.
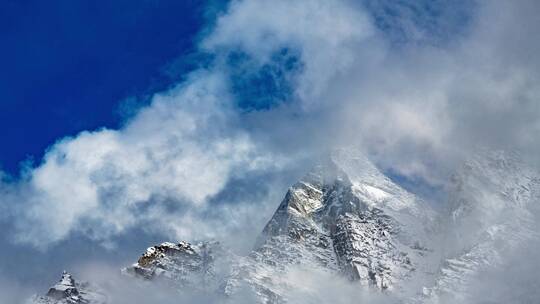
x,y
347,215
69,291
65,288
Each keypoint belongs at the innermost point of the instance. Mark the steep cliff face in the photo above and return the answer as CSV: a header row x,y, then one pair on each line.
x,y
347,219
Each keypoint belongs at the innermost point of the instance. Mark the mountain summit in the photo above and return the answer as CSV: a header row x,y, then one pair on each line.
x,y
68,291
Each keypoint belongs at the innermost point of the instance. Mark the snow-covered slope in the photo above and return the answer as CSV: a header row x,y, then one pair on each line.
x,y
489,217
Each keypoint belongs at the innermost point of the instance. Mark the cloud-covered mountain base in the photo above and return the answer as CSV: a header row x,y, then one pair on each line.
x,y
346,233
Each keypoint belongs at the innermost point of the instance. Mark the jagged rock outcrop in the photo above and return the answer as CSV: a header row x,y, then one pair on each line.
x,y
200,266
68,291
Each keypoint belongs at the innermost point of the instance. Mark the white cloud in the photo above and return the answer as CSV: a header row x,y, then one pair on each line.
x,y
327,33
415,108
183,148
164,165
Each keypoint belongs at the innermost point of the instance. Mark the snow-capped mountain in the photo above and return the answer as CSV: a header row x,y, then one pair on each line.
x,y
347,219
68,291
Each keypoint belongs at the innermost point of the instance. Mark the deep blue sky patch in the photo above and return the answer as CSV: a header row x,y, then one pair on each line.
x,y
66,65
262,86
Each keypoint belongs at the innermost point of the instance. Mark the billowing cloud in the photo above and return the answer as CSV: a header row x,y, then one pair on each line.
x,y
179,151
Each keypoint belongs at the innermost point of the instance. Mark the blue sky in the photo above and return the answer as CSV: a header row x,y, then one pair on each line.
x,y
68,65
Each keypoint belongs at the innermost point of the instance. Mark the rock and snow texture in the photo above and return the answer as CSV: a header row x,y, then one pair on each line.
x,y
68,291
201,266
346,218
